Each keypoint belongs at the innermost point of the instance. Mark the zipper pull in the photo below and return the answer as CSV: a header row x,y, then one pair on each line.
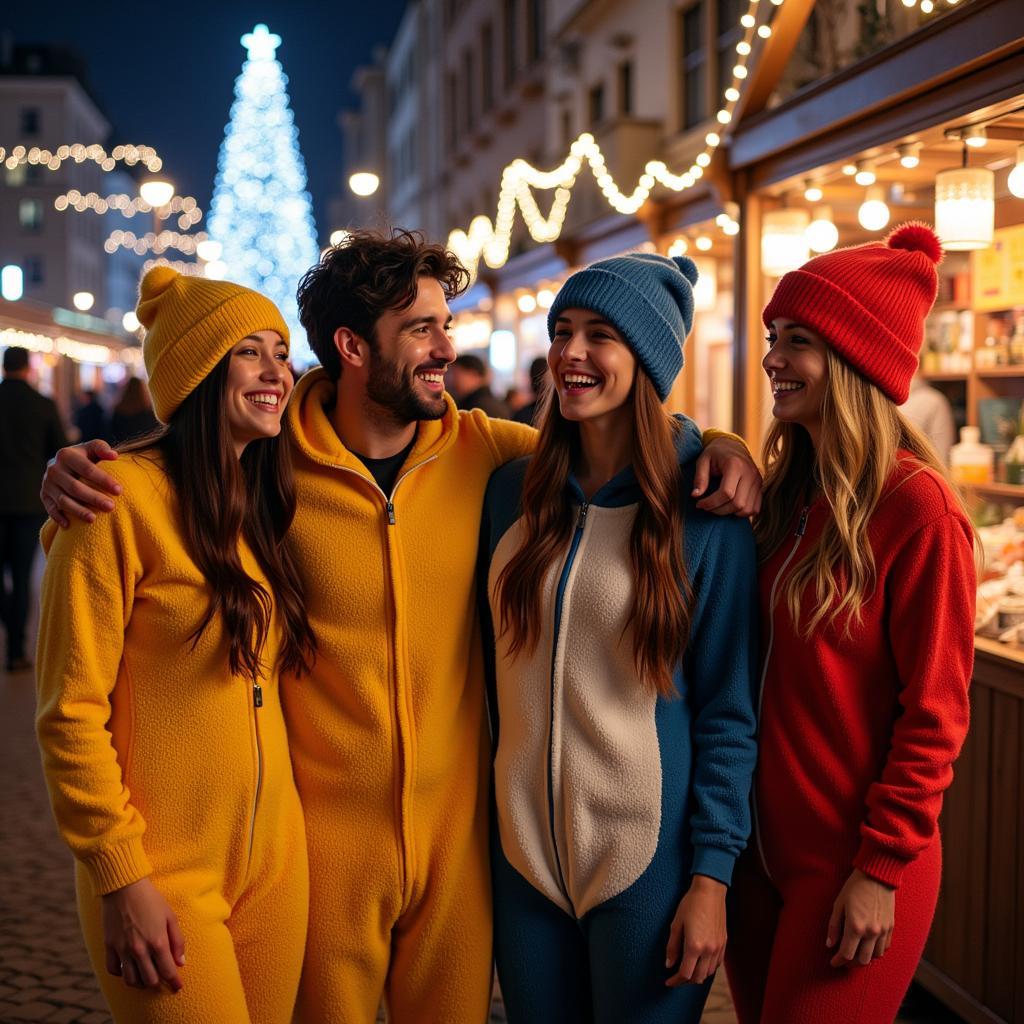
x,y
257,695
390,506
582,521
802,525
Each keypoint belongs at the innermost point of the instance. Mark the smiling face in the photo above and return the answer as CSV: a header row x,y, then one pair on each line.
x,y
257,387
592,367
411,354
797,366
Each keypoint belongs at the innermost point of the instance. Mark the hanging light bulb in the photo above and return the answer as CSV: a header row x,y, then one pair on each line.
x,y
678,247
975,137
822,234
910,154
965,207
874,212
784,241
1015,182
865,174
812,192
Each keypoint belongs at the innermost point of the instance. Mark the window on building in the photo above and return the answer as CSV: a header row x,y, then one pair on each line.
x,y
729,33
596,104
535,29
451,108
487,67
30,120
626,88
694,59
469,89
30,215
511,18
34,270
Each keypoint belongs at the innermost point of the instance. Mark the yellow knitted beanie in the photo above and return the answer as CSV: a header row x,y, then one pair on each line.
x,y
191,324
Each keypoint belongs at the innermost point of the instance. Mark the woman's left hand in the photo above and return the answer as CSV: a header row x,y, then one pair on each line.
x,y
865,911
697,938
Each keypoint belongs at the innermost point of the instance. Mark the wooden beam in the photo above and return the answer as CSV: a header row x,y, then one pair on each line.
x,y
775,54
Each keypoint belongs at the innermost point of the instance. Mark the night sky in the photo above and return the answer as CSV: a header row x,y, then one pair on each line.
x,y
164,73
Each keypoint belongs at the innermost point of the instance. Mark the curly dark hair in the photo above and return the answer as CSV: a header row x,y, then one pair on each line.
x,y
367,275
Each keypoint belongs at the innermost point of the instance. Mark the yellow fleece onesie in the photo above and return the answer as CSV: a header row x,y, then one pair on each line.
x,y
388,737
161,763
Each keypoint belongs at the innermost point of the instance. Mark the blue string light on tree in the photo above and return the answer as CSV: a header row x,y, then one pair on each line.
x,y
261,212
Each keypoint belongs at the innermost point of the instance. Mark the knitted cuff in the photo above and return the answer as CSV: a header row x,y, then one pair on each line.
x,y
712,434
879,864
117,866
713,862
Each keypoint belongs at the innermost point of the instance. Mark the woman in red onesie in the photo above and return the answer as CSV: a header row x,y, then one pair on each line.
x,y
867,598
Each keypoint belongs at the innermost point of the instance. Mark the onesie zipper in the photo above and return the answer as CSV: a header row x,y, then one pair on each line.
x,y
799,535
257,703
403,794
563,580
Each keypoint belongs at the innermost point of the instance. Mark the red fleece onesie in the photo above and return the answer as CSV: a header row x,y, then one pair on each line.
x,y
858,736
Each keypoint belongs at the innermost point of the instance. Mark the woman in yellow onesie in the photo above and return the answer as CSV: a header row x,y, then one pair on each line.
x,y
164,627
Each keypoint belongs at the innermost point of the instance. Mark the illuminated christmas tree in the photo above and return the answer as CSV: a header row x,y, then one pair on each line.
x,y
261,212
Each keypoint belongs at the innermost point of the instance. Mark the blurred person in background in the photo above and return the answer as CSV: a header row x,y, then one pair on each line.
x,y
538,378
30,433
133,415
90,418
468,382
929,410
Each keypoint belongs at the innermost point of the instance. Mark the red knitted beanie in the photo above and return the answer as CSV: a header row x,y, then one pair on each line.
x,y
868,302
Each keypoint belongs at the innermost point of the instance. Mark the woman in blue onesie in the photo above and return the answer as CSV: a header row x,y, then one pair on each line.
x,y
622,620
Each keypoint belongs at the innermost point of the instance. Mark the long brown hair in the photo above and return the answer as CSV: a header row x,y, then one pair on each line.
x,y
222,498
861,433
662,594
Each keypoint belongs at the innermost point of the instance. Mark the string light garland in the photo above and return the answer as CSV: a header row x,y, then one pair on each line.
x,y
154,242
183,268
491,241
79,153
185,207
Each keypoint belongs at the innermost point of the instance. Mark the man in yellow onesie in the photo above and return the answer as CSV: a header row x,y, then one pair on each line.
x,y
388,734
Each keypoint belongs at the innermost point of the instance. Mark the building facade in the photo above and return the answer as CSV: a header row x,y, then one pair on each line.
x,y
44,104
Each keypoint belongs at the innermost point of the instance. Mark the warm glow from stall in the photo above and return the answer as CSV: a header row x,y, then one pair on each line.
x,y
1015,182
874,211
965,208
705,291
822,234
784,241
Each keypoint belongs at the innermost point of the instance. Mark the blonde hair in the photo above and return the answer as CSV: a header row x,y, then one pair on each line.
x,y
861,433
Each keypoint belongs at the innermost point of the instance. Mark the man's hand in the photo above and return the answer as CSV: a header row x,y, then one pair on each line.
x,y
74,485
865,910
697,938
739,490
143,940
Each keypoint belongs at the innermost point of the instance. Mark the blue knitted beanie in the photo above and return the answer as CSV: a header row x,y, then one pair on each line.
x,y
647,298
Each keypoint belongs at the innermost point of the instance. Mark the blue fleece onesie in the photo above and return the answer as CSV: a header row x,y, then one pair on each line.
x,y
608,796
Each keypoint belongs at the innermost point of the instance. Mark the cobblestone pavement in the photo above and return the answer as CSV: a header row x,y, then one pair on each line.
x,y
44,971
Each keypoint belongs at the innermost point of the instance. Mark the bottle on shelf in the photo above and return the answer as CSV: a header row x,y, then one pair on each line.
x,y
1013,463
1016,346
970,461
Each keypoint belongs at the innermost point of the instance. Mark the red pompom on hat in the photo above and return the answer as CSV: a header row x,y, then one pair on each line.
x,y
868,302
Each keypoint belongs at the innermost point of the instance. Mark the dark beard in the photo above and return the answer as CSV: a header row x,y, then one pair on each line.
x,y
394,391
